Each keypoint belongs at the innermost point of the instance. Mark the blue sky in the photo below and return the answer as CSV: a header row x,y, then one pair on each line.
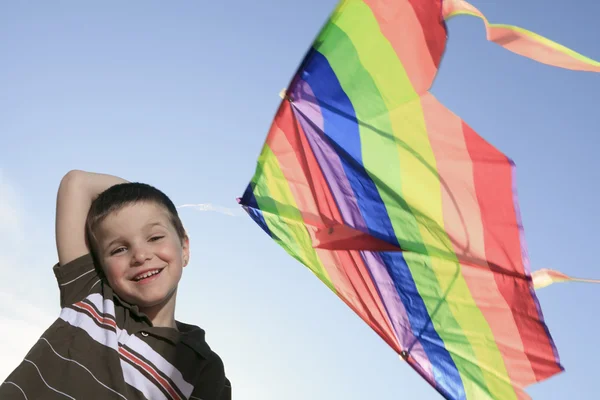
x,y
181,95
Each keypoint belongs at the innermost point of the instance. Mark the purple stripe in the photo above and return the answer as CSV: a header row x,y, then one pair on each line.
x,y
328,159
311,121
398,315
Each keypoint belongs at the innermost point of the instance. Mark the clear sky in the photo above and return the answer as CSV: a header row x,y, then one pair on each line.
x,y
181,95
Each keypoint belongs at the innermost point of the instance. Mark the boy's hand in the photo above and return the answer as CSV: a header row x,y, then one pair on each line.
x,y
76,192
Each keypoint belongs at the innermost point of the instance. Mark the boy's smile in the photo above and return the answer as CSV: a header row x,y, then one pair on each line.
x,y
147,276
142,256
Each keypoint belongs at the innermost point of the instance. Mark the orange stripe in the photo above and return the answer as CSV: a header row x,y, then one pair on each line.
x,y
397,19
462,219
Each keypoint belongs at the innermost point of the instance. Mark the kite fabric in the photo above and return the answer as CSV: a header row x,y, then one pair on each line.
x,y
399,207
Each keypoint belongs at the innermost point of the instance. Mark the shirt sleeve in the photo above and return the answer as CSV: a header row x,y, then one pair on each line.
x,y
213,384
77,279
226,393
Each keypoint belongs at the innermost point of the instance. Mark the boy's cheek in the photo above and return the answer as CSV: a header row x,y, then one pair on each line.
x,y
110,270
168,253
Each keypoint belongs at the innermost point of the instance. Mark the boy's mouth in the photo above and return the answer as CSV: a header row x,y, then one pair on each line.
x,y
144,276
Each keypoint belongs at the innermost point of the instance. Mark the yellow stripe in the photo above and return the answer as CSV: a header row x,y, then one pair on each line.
x,y
275,199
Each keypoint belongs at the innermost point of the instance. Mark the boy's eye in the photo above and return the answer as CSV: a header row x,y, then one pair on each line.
x,y
117,250
155,238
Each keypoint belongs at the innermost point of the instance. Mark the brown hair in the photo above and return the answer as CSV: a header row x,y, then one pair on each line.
x,y
124,194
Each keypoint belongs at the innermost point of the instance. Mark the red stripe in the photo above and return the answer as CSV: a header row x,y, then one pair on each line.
x,y
355,286
367,304
494,185
462,221
430,16
315,191
151,371
100,319
356,279
420,55
307,183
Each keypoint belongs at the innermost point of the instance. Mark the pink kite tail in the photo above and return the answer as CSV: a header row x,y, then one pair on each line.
x,y
524,42
546,277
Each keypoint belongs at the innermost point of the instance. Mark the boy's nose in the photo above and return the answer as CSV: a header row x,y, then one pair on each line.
x,y
140,255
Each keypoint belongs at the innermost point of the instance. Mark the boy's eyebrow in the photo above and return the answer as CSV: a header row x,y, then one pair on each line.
x,y
109,245
148,225
153,224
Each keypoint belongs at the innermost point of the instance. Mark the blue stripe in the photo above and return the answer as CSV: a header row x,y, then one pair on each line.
x,y
444,369
342,132
249,200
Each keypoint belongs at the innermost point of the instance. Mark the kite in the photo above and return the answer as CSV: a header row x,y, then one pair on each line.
x,y
399,207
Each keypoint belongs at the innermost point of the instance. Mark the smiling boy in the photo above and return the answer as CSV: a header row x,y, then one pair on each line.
x,y
122,249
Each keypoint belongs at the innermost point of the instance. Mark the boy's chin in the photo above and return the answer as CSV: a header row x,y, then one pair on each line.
x,y
150,303
152,300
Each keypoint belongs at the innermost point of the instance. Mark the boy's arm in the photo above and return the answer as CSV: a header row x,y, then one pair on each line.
x,y
213,384
76,192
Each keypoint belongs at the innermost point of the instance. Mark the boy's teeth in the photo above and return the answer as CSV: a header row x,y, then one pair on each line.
x,y
147,274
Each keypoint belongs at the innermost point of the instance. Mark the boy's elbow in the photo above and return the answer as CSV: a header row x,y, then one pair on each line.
x,y
72,175
72,179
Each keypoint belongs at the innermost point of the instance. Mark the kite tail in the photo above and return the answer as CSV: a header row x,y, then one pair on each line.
x,y
546,277
524,42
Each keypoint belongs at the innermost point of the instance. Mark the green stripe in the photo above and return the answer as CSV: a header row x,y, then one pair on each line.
x,y
276,201
381,157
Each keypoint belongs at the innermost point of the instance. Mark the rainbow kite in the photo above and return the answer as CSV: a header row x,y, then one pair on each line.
x,y
399,207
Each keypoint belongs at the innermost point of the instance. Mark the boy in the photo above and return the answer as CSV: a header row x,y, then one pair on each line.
x,y
121,251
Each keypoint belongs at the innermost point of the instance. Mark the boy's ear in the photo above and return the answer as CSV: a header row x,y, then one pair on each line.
x,y
186,250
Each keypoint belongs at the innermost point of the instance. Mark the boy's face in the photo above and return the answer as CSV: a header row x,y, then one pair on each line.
x,y
141,254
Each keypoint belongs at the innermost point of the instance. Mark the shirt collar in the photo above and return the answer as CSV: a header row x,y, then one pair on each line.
x,y
190,335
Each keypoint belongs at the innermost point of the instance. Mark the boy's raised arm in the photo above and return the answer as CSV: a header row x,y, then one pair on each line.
x,y
76,192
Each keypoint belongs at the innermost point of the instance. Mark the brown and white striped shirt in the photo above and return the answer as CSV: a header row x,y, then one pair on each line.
x,y
100,347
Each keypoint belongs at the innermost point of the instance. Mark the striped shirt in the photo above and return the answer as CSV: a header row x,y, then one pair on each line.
x,y
100,347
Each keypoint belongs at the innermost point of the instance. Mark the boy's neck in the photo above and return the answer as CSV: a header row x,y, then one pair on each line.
x,y
163,314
